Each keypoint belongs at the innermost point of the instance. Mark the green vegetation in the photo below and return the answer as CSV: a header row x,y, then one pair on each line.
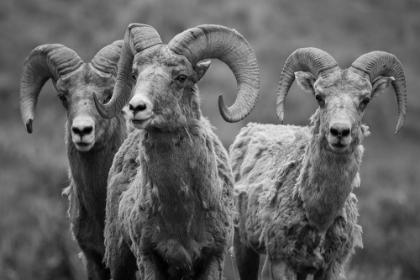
x,y
35,241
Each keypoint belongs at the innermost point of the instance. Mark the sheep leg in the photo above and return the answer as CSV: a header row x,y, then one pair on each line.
x,y
302,276
328,276
125,267
334,271
281,271
213,269
96,269
88,235
322,275
151,267
246,259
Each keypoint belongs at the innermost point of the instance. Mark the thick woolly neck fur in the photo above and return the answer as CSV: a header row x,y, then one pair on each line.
x,y
180,187
327,178
172,163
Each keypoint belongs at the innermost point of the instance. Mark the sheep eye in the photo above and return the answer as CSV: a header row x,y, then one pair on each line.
x,y
133,75
319,99
366,101
182,78
62,97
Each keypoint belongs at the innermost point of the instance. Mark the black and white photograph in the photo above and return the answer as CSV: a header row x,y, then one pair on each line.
x,y
210,140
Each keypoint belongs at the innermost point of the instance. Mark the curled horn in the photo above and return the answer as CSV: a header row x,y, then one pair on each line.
x,y
44,62
227,45
138,37
313,60
379,63
106,59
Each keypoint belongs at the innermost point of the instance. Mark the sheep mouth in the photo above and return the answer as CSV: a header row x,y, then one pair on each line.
x,y
141,123
338,147
83,146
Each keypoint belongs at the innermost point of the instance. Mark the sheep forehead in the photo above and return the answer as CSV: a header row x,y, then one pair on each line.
x,y
342,82
81,85
161,56
85,78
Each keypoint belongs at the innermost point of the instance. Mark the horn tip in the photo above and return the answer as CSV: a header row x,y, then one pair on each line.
x,y
281,116
398,129
224,111
399,126
101,108
28,126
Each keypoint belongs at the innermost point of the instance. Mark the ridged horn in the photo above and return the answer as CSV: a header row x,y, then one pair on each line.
x,y
227,45
106,60
378,63
44,62
311,60
137,38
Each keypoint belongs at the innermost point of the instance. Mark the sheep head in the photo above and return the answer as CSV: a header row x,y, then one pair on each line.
x,y
75,83
165,96
342,94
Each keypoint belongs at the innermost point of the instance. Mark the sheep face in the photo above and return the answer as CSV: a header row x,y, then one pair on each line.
x,y
75,91
342,97
165,96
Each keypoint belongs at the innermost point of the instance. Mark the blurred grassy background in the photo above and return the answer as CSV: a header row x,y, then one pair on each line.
x,y
35,242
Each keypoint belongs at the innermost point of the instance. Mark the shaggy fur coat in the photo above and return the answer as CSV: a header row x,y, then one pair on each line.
x,y
170,200
295,200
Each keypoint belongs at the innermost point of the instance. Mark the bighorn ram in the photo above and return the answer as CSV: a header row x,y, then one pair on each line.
x,y
170,188
91,141
294,184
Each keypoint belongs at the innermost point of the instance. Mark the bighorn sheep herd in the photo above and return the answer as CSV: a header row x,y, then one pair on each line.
x,y
162,199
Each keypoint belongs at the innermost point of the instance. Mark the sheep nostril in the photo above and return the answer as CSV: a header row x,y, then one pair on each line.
x,y
138,108
86,130
75,130
82,131
340,129
345,132
141,107
334,131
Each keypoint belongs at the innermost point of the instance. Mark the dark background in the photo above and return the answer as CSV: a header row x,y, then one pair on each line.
x,y
35,242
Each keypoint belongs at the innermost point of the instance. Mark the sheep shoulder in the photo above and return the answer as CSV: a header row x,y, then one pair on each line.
x,y
122,172
260,155
260,150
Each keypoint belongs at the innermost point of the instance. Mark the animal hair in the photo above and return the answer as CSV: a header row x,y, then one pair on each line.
x,y
173,185
294,199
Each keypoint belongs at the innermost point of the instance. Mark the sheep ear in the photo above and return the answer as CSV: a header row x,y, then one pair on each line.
x,y
201,68
380,85
305,81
